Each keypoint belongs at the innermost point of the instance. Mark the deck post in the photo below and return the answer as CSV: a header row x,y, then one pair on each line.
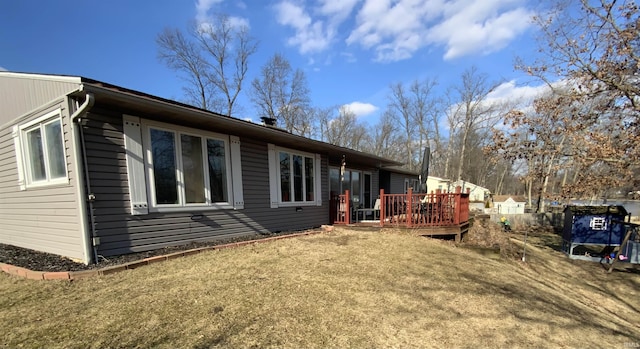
x,y
438,212
347,204
456,213
409,208
383,207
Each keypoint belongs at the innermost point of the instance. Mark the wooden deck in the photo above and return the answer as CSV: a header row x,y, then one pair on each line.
x,y
434,214
456,232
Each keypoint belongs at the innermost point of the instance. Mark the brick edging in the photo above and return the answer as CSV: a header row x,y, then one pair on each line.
x,y
75,275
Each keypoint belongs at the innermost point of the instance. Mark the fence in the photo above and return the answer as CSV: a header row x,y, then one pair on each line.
x,y
412,209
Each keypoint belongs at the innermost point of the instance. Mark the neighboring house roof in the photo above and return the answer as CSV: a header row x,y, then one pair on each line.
x,y
503,198
439,179
167,110
473,187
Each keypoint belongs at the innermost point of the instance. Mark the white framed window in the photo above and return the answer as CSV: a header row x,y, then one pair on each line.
x,y
294,177
40,151
598,223
182,169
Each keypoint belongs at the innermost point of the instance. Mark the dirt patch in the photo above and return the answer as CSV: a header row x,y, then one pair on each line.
x,y
486,236
42,261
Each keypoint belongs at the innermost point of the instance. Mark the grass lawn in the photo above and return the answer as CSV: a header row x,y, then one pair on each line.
x,y
337,290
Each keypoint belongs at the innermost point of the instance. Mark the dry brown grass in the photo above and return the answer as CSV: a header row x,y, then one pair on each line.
x,y
333,290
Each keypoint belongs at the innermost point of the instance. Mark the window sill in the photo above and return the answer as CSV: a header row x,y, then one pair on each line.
x,y
161,209
63,182
296,204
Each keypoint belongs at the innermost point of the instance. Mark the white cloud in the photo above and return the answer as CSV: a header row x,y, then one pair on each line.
x,y
349,57
3,68
397,30
310,36
204,20
480,27
337,10
360,109
315,27
237,22
510,91
203,7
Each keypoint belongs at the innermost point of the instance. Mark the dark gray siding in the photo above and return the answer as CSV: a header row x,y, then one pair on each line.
x,y
40,218
120,232
397,183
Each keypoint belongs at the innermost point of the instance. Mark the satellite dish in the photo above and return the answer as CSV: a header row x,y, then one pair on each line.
x,y
424,173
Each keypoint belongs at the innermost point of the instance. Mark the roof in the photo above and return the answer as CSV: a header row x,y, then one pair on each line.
x,y
597,210
439,179
503,198
166,110
472,186
400,170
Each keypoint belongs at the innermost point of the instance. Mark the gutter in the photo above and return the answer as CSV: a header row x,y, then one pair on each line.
x,y
82,180
273,135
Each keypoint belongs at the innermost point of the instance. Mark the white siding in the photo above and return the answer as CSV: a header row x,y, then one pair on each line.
x,y
43,218
23,93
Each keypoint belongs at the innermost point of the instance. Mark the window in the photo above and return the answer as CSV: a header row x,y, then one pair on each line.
x,y
40,151
171,168
294,177
187,169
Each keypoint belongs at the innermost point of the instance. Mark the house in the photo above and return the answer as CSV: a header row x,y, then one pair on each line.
x,y
90,169
437,183
509,204
399,180
476,192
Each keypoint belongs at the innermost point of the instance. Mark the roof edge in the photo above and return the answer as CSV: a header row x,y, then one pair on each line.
x,y
142,97
49,77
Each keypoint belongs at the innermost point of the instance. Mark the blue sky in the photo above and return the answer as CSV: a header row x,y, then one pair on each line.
x,y
350,50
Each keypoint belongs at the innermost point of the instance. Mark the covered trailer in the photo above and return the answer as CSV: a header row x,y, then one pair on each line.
x,y
593,232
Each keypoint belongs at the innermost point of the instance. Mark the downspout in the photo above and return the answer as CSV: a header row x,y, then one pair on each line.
x,y
83,180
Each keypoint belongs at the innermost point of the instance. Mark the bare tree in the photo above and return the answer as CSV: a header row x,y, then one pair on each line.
x,y
213,58
425,114
593,47
470,111
345,130
408,108
385,140
282,94
592,42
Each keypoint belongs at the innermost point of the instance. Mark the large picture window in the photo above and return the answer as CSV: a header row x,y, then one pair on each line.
x,y
187,168
173,169
40,151
294,177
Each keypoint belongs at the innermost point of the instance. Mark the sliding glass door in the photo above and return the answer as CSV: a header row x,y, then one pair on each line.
x,y
357,182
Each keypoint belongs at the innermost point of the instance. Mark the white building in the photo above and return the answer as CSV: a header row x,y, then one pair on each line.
x,y
476,192
509,204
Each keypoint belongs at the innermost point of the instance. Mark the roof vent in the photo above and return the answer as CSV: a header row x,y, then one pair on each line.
x,y
267,121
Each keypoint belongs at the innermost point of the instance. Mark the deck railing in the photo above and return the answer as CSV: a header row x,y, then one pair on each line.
x,y
413,209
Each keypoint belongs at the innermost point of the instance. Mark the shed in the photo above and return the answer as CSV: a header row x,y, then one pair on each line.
x,y
509,204
596,226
